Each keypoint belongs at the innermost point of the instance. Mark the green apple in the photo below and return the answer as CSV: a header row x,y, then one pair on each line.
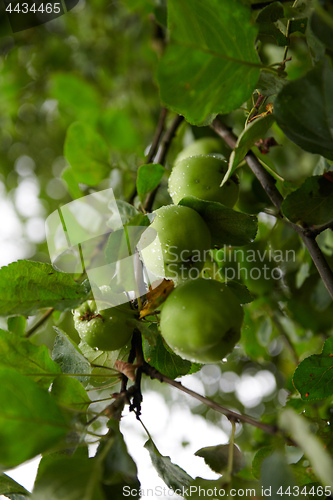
x,y
183,239
204,146
201,176
201,320
108,330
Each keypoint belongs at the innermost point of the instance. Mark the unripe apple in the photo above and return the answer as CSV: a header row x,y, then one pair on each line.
x,y
201,320
204,146
201,176
183,238
108,330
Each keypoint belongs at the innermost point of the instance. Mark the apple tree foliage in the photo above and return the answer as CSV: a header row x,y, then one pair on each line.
x,y
108,96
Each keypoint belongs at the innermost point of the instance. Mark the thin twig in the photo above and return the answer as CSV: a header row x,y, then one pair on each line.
x,y
268,183
231,451
131,358
166,141
319,260
154,146
265,179
255,110
285,53
161,156
158,135
42,320
155,374
315,230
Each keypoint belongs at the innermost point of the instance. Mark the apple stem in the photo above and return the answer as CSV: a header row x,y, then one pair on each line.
x,y
231,449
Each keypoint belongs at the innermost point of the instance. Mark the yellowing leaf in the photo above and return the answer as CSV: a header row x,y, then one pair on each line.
x,y
156,296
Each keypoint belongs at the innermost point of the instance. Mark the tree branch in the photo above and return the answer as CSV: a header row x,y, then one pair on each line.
x,y
166,142
268,183
319,260
161,156
265,179
154,145
232,415
158,135
316,230
42,320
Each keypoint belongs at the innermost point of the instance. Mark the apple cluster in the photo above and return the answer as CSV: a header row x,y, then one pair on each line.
x,y
201,319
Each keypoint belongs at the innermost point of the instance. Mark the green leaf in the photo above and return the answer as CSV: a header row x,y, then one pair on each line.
x,y
119,130
254,131
270,83
203,488
173,476
104,359
259,458
268,25
65,478
26,287
17,324
68,392
312,203
211,65
313,377
75,95
303,474
9,486
164,360
275,474
27,358
322,26
273,30
300,431
270,13
304,110
87,153
71,183
149,177
322,166
222,487
126,212
149,332
241,291
298,25
251,341
122,242
227,226
68,356
119,466
216,457
30,420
